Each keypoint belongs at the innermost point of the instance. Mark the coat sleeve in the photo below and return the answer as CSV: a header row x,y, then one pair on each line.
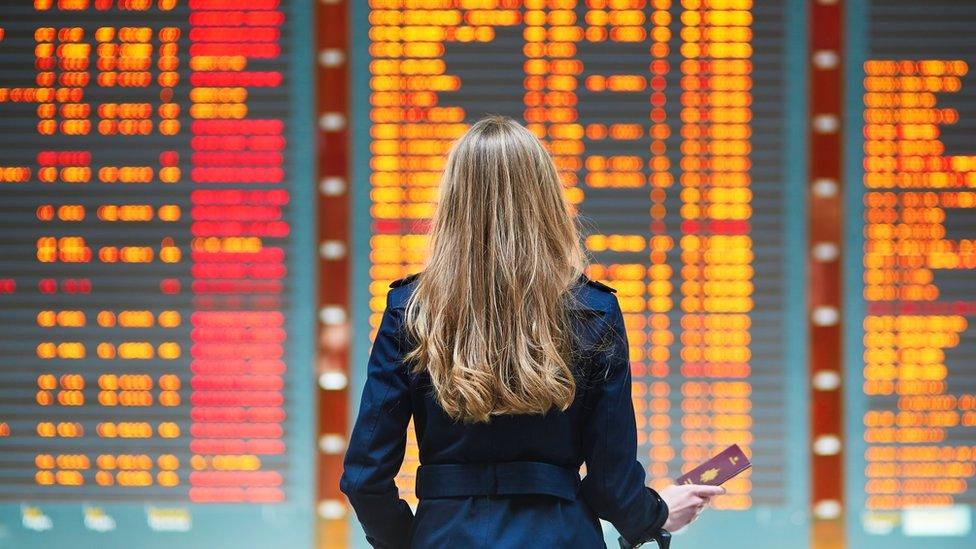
x,y
378,441
614,484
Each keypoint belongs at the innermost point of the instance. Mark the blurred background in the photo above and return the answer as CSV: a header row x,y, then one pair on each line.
x,y
203,202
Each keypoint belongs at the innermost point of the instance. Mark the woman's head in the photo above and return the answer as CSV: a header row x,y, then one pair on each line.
x,y
488,316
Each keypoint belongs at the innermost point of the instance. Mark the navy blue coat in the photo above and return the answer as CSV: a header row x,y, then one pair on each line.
x,y
514,481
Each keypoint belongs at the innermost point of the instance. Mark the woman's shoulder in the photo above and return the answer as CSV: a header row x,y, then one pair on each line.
x,y
593,294
400,290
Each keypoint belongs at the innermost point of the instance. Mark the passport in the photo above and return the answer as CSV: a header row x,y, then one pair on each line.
x,y
728,463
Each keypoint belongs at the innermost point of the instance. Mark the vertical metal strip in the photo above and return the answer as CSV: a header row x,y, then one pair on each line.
x,y
825,222
332,100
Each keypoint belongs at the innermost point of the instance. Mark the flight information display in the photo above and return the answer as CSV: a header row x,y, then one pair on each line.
x,y
155,316
912,223
677,126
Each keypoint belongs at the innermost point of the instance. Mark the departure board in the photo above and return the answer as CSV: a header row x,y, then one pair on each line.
x,y
911,373
155,311
677,127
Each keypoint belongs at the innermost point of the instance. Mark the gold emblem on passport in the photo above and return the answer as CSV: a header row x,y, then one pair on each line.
x,y
708,475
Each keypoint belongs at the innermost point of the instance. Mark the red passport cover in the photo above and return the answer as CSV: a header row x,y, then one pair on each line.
x,y
730,462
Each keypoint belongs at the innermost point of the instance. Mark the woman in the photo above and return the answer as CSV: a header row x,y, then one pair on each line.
x,y
515,369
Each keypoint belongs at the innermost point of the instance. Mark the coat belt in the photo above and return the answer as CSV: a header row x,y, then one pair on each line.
x,y
490,479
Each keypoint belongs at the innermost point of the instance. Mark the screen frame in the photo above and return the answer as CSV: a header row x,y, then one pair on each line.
x,y
793,519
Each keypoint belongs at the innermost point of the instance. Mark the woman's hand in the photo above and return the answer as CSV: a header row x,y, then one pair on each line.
x,y
685,502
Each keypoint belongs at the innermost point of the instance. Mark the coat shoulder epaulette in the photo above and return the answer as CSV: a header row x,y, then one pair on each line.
x,y
402,281
600,286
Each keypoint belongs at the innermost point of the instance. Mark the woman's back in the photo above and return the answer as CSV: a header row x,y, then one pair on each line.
x,y
513,481
553,438
514,367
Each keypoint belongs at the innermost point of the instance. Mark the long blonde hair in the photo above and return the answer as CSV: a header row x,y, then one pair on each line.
x,y
489,316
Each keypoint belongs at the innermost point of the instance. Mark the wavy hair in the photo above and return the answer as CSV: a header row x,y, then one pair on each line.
x,y
490,313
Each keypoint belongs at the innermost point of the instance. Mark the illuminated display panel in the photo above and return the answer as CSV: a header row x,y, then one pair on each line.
x,y
154,252
669,122
912,379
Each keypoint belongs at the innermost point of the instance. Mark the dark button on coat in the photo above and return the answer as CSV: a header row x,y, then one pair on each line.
x,y
597,430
